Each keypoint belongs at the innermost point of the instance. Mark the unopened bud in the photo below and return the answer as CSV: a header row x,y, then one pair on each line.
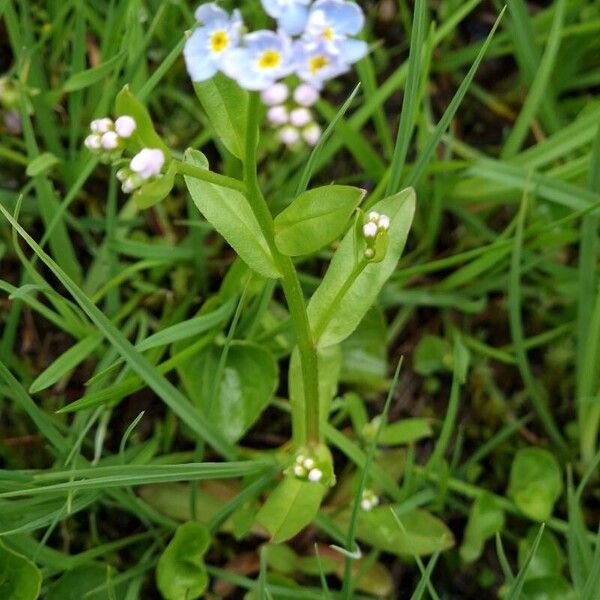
x,y
278,115
306,95
125,126
289,135
275,94
300,117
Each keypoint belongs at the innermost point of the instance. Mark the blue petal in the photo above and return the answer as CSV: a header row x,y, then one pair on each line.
x,y
198,43
263,40
206,13
200,66
345,17
272,7
293,19
352,51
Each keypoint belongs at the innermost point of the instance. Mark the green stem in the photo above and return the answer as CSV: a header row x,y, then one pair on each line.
x,y
205,175
333,306
290,282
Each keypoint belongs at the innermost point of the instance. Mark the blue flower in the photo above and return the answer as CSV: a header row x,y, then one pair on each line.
x,y
317,62
290,14
331,23
264,58
217,35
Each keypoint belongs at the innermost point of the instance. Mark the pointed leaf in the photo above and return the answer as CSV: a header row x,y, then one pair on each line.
x,y
230,214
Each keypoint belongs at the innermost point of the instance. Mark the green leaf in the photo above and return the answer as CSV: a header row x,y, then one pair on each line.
x,y
549,558
432,355
486,518
20,579
230,214
158,189
181,574
291,506
91,76
42,163
66,362
249,378
364,353
416,532
316,218
226,105
328,369
552,587
535,482
405,431
79,582
340,302
145,135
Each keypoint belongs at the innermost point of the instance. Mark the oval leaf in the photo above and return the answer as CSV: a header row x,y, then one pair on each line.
x,y
41,164
226,105
535,482
316,218
20,579
337,307
248,380
416,532
230,214
292,505
486,518
181,574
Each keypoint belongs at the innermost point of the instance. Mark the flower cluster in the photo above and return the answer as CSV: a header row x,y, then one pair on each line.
x,y
375,226
306,468
145,165
290,114
369,500
313,41
107,138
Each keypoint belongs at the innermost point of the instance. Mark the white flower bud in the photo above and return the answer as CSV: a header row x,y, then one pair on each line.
x,y
147,162
300,458
365,505
308,463
125,126
300,117
369,253
306,95
93,142
370,230
289,135
275,94
129,185
123,174
101,125
110,140
374,216
277,115
312,134
299,471
384,222
315,475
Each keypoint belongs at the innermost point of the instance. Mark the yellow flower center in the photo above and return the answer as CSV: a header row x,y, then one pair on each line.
x,y
328,34
219,41
317,63
269,59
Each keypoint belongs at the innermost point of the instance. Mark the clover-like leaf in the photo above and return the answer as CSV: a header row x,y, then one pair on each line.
x,y
535,482
181,574
20,579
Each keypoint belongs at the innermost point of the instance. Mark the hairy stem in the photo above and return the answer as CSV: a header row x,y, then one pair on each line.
x,y
290,282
